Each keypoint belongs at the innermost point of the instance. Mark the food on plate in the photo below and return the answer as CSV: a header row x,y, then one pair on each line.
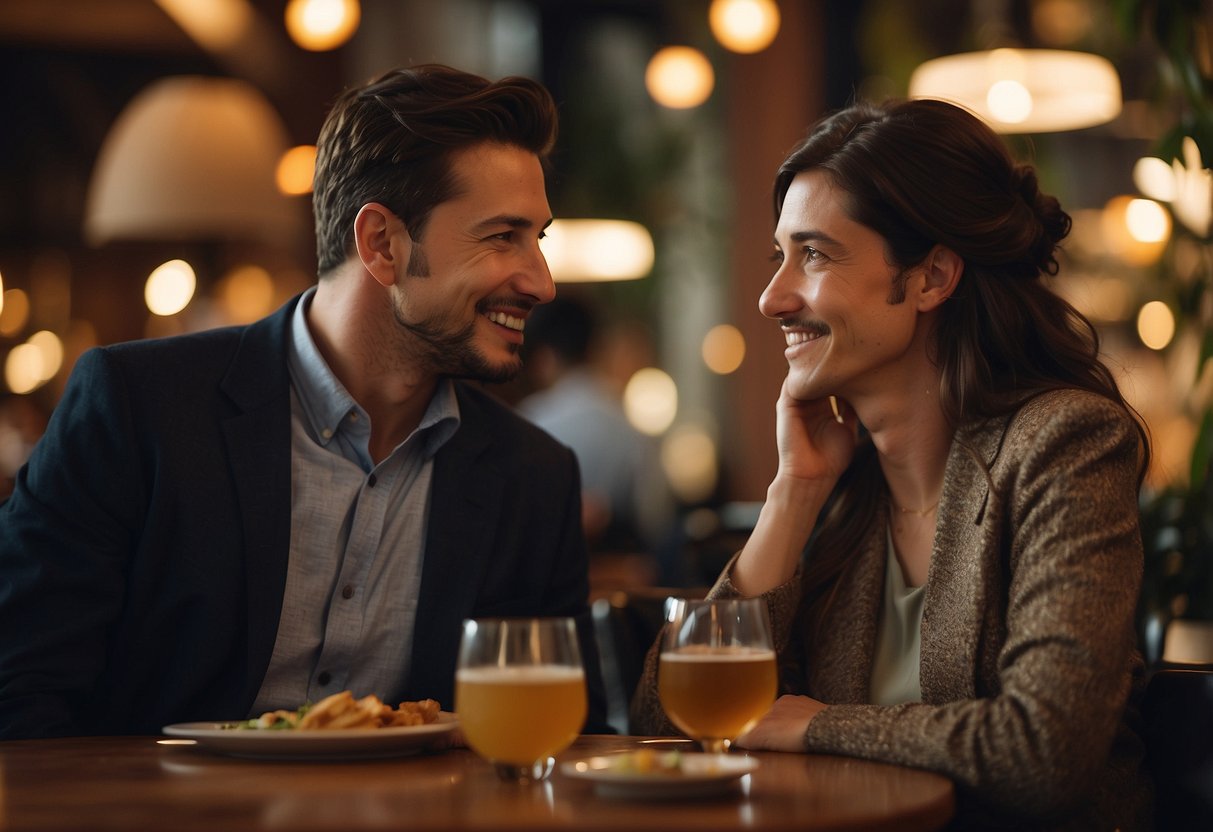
x,y
342,710
647,761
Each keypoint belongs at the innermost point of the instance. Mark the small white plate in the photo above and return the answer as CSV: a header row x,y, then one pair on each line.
x,y
349,744
698,774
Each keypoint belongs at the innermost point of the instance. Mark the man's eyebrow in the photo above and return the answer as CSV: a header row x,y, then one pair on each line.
x,y
509,220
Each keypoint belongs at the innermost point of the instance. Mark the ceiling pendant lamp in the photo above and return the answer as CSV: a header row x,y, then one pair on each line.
x,y
1025,90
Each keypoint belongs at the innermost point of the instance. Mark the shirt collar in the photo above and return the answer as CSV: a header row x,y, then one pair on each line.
x,y
326,403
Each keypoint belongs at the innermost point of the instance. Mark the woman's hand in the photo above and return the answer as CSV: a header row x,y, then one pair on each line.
x,y
782,728
812,443
814,449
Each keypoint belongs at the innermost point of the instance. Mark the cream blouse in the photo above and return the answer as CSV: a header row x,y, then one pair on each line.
x,y
898,645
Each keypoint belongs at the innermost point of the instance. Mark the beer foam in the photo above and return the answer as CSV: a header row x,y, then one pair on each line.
x,y
698,653
527,674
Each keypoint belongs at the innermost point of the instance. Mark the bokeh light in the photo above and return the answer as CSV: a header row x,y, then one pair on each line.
x,y
170,287
14,314
650,400
723,349
23,371
295,170
321,25
1156,325
689,459
245,294
744,26
679,77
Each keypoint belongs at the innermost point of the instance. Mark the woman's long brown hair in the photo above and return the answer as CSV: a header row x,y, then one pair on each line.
x,y
922,173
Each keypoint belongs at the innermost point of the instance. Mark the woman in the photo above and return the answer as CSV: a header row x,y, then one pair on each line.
x,y
950,548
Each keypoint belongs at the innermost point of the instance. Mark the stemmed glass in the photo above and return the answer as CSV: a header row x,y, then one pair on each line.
x,y
717,672
520,692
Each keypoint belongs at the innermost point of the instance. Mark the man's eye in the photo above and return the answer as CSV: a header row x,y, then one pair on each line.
x,y
812,254
504,236
776,256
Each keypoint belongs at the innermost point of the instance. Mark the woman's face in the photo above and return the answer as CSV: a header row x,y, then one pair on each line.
x,y
848,332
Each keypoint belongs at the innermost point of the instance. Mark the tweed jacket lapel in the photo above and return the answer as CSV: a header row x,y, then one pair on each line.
x,y
258,441
964,590
841,658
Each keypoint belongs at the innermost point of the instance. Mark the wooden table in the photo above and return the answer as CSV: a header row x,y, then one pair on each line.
x,y
136,783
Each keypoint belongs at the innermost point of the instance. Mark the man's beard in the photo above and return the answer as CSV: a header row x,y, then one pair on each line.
x,y
453,353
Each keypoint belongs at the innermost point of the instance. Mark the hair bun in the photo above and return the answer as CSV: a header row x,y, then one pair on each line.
x,y
1054,223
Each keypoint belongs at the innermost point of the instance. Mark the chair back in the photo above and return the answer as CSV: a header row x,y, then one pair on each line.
x,y
1177,715
627,623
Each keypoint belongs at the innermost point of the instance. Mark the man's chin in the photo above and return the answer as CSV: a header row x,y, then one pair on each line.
x,y
493,372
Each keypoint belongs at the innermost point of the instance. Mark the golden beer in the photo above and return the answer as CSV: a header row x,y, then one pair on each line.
x,y
520,714
716,692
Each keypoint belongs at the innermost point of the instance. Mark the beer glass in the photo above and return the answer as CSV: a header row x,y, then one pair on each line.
x,y
520,692
716,674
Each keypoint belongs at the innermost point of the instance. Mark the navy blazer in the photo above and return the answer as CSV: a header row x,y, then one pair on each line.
x,y
143,553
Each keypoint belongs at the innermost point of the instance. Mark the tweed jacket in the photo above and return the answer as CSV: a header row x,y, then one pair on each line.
x,y
144,552
1029,666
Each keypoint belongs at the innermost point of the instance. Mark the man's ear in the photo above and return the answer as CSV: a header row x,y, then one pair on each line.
x,y
378,242
942,269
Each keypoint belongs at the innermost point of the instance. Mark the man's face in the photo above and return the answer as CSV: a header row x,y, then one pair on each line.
x,y
847,330
463,292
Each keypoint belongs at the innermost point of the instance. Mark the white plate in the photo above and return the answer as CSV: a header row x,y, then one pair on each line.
x,y
699,774
349,743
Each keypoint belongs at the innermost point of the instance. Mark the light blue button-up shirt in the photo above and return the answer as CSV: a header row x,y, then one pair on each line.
x,y
357,539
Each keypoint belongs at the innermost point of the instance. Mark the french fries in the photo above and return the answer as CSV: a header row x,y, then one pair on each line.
x,y
343,711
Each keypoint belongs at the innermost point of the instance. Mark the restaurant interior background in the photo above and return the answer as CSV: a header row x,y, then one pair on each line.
x,y
106,175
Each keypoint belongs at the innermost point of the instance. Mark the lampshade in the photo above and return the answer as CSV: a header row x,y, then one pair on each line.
x,y
191,158
1025,90
590,251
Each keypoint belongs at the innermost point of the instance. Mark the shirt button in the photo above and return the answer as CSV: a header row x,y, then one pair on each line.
x,y
326,433
325,677
347,592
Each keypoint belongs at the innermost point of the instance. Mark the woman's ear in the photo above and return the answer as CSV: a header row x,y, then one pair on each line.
x,y
377,239
942,269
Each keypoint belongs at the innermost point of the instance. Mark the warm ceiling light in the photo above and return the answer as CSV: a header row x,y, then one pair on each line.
x,y
744,26
679,77
191,158
592,251
296,169
1025,90
320,25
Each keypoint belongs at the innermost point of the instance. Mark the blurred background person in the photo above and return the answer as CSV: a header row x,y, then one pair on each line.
x,y
627,504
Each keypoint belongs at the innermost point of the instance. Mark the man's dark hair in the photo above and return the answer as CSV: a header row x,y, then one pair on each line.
x,y
391,141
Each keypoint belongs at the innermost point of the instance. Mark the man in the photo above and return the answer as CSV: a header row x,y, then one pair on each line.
x,y
627,504
249,518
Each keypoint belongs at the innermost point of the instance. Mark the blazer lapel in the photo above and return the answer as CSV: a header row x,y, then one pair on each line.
x,y
957,599
258,441
464,499
846,645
